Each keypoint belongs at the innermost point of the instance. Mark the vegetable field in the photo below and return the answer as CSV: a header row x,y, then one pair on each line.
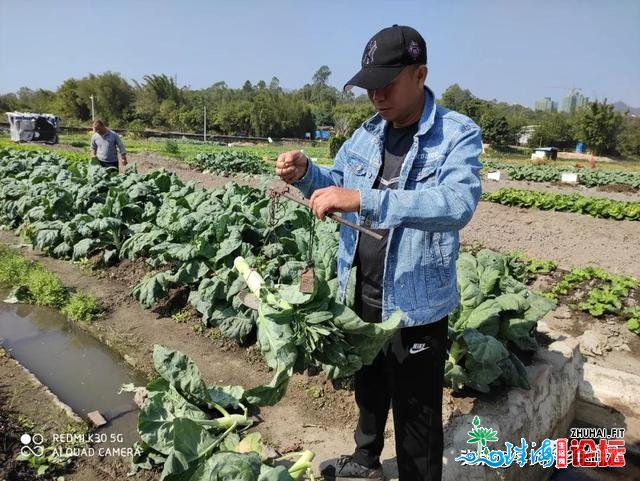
x,y
157,245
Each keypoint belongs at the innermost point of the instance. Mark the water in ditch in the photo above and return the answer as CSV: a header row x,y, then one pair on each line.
x,y
82,372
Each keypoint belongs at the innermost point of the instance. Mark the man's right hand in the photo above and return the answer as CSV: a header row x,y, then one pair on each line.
x,y
291,166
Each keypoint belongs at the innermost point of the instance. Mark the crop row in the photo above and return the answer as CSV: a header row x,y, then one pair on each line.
x,y
596,207
589,178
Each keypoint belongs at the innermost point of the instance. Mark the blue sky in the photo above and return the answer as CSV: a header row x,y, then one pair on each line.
x,y
514,51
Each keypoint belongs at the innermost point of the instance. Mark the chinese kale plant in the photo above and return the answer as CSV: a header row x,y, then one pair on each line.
x,y
197,432
494,322
297,330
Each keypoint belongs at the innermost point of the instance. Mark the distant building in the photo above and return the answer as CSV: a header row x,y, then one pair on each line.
x,y
574,101
546,105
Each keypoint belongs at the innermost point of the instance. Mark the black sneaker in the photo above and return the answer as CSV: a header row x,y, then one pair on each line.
x,y
345,468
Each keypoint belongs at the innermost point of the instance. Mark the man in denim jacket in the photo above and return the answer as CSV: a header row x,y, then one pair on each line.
x,y
411,172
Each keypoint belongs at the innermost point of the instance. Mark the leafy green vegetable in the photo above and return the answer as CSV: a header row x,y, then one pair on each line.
x,y
496,316
232,162
634,321
297,330
590,178
594,206
198,432
604,293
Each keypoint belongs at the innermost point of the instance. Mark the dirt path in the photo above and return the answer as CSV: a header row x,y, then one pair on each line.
x,y
569,239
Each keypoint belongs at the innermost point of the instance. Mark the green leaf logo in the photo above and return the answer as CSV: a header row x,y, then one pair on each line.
x,y
481,436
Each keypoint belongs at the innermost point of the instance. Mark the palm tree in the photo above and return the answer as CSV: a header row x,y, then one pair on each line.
x,y
163,87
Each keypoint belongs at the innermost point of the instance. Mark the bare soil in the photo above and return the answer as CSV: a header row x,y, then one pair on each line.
x,y
315,414
571,240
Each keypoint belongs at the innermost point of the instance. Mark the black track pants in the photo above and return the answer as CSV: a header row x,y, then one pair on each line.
x,y
408,375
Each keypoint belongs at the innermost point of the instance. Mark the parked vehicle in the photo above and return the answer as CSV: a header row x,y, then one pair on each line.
x,y
34,127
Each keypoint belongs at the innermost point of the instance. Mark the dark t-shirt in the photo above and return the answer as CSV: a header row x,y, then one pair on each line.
x,y
371,252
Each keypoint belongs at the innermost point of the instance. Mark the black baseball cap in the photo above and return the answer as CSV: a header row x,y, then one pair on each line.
x,y
387,53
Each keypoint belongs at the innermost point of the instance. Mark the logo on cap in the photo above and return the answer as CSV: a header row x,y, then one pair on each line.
x,y
367,58
413,49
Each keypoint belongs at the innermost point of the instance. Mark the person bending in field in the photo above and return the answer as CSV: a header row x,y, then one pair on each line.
x,y
105,145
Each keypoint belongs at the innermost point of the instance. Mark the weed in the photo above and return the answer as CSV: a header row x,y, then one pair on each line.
x,y
473,248
13,268
181,316
343,383
85,264
77,432
634,321
539,266
314,392
46,461
46,288
82,307
25,422
171,147
215,335
198,328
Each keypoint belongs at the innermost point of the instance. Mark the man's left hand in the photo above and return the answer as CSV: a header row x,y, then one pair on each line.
x,y
334,199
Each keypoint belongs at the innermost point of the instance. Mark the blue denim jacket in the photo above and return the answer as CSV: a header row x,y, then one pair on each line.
x,y
438,191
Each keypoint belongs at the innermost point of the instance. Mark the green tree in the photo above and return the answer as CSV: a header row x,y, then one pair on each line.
x,y
598,127
516,115
296,117
628,141
163,88
275,84
113,97
495,129
319,91
155,98
322,114
349,116
554,129
169,115
8,102
265,118
69,104
247,87
40,100
233,118
321,77
455,98
464,102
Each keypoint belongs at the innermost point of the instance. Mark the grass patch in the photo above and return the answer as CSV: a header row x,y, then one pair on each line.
x,y
32,284
13,268
82,308
45,288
